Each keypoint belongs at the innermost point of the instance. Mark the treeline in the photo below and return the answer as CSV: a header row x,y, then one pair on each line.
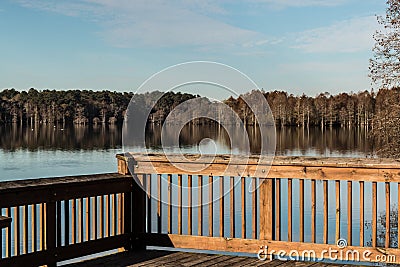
x,y
106,107
355,109
75,106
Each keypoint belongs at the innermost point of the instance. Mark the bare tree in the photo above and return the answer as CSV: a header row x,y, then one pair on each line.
x,y
385,65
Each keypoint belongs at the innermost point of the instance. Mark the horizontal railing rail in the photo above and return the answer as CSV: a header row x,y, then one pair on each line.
x,y
56,219
290,203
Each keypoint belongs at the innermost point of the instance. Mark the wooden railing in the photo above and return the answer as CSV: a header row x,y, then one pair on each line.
x,y
323,193
294,203
56,219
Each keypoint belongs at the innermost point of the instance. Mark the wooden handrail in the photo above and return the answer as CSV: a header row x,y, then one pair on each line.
x,y
298,176
56,219
354,169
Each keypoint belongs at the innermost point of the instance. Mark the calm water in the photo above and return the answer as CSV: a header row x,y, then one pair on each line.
x,y
48,151
54,151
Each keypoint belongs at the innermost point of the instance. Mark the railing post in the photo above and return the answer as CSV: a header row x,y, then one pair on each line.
x,y
134,207
138,213
127,220
51,233
267,215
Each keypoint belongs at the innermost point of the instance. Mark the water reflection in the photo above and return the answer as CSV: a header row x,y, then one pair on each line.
x,y
289,140
44,137
341,141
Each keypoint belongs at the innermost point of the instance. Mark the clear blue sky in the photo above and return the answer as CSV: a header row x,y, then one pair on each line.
x,y
301,46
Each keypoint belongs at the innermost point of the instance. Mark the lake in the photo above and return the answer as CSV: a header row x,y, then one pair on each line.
x,y
48,151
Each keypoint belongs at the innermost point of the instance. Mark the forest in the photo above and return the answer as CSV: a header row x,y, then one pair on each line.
x,y
74,106
106,107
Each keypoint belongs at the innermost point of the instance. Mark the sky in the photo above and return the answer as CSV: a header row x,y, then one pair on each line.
x,y
300,46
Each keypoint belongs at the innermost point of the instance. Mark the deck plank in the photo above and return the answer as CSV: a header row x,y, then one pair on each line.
x,y
213,261
159,258
202,259
273,263
171,258
234,261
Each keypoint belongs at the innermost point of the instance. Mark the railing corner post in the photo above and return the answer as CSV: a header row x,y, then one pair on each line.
x,y
51,234
138,214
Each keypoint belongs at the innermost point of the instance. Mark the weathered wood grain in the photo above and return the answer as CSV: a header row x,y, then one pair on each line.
x,y
382,170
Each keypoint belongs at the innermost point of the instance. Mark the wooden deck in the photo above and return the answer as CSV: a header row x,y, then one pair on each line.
x,y
159,258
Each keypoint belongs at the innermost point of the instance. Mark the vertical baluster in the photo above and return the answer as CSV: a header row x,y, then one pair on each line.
x,y
101,216
1,237
115,214
313,211
254,209
16,232
189,204
278,209
149,203
210,206
107,216
25,223
221,206
349,212
337,232
111,216
179,204
73,221
301,203
33,227
232,206
58,223
325,238
80,218
387,225
122,214
169,204
95,214
159,226
45,226
5,236
289,210
361,213
8,235
41,226
200,209
88,217
374,213
66,222
243,196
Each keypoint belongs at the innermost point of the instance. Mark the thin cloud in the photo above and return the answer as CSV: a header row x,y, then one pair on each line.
x,y
302,3
263,42
153,23
346,36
